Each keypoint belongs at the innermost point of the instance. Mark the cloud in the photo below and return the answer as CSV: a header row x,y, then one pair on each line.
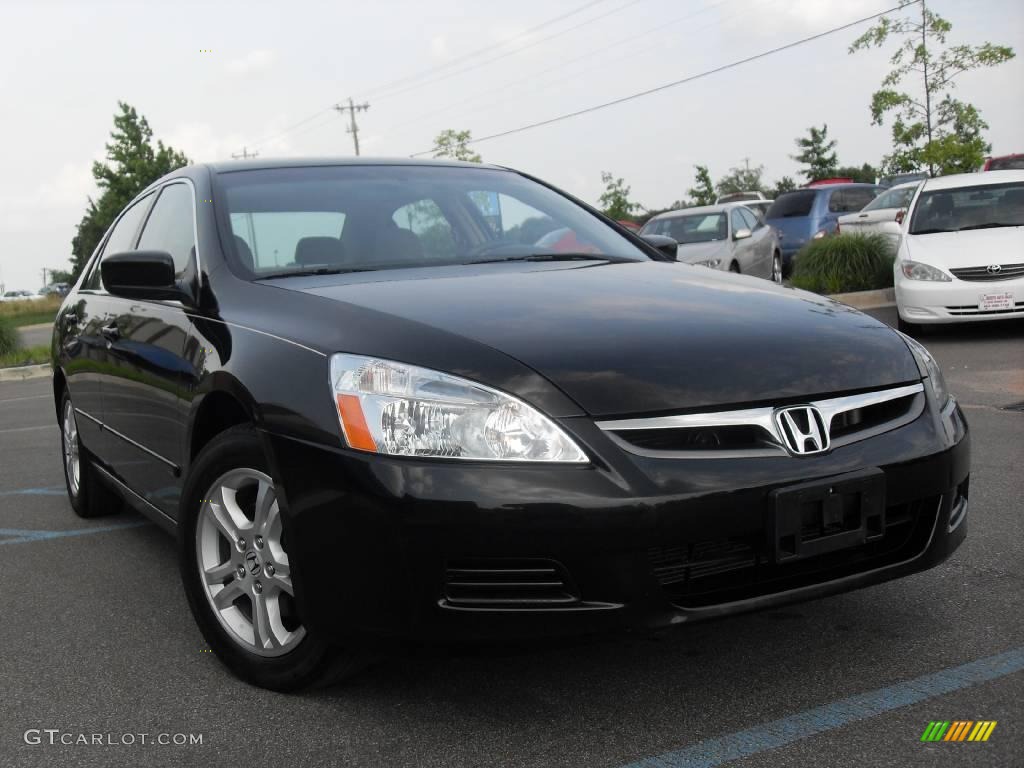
x,y
255,61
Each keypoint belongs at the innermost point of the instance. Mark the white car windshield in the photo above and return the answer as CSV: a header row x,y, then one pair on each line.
x,y
978,207
693,228
894,198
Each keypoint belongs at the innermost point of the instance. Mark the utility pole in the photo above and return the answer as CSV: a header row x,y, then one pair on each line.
x,y
353,127
924,70
245,154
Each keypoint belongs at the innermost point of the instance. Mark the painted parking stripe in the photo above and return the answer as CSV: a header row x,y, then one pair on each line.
x,y
786,730
55,491
22,536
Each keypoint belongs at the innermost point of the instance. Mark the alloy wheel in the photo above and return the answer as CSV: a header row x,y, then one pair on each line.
x,y
777,269
243,564
72,460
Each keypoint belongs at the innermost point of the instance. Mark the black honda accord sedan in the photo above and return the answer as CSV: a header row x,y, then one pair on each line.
x,y
383,401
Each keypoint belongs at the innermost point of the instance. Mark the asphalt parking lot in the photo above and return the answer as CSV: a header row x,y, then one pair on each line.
x,y
96,638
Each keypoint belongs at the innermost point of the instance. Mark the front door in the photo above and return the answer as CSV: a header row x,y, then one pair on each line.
x,y
143,391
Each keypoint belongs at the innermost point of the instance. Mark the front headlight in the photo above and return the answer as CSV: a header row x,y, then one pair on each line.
x,y
713,263
916,270
930,371
403,410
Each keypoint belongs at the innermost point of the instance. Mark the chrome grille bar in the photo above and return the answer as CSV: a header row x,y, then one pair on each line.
x,y
764,418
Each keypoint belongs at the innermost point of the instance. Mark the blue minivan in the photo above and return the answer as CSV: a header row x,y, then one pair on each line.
x,y
811,213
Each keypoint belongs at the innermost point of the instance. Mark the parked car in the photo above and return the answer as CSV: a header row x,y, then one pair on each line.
x,y
17,296
54,289
811,213
882,215
961,257
370,411
1004,163
729,237
739,197
902,178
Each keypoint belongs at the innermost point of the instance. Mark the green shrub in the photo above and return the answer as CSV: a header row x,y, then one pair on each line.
x,y
843,263
8,337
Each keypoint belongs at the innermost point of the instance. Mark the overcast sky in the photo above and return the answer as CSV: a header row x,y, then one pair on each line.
x,y
64,66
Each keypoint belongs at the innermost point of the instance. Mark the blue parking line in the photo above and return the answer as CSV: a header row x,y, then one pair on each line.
x,y
23,536
778,733
57,491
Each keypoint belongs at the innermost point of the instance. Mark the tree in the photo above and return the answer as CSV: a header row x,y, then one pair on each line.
x,y
745,179
614,201
930,128
704,192
134,164
866,173
455,146
785,184
817,153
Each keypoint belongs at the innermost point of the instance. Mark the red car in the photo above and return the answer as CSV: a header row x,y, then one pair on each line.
x,y
1004,163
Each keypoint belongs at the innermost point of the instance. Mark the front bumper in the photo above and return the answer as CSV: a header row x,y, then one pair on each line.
x,y
926,302
375,541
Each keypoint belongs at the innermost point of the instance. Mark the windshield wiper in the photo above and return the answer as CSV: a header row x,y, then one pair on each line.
x,y
989,225
310,272
932,231
552,257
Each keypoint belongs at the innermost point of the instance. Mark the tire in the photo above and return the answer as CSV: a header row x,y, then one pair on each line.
x,y
734,268
911,329
88,494
776,276
219,519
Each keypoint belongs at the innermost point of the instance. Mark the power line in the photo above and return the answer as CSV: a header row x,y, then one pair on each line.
x,y
560,67
480,51
353,127
673,84
505,55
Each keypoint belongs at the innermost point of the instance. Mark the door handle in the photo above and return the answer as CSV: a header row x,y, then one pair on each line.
x,y
111,332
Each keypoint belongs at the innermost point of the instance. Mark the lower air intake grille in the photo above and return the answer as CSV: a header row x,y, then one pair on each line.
x,y
508,583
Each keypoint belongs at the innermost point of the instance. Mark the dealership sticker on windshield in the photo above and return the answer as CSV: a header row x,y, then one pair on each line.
x,y
993,301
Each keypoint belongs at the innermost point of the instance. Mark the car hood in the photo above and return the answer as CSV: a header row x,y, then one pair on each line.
x,y
640,337
972,248
691,253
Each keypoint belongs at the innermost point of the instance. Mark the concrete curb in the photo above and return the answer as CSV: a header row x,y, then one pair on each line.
x,y
24,372
885,297
36,327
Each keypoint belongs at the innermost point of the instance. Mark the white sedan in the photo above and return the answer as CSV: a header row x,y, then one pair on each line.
x,y
881,215
961,256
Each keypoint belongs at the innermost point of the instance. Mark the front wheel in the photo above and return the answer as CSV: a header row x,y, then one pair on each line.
x,y
777,268
237,573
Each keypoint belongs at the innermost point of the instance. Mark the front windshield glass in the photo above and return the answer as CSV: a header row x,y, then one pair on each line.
x,y
362,217
977,207
692,228
894,198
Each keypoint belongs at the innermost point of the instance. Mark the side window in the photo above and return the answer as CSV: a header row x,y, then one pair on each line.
x,y
737,221
170,226
122,238
750,218
433,231
837,201
858,197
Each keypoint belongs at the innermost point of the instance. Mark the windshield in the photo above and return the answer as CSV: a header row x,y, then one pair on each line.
x,y
978,207
894,198
362,217
1011,163
792,204
693,228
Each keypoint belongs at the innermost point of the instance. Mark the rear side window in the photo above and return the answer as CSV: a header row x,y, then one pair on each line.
x,y
750,219
850,199
122,238
170,227
792,204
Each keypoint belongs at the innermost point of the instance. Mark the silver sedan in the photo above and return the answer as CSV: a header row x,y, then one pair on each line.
x,y
729,237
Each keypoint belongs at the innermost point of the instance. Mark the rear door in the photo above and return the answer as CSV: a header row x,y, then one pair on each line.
x,y
761,239
743,251
143,392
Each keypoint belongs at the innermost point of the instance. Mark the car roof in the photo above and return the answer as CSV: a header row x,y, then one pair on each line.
x,y
987,178
701,209
227,166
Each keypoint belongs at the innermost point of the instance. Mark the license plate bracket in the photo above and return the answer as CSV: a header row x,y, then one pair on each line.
x,y
821,516
993,302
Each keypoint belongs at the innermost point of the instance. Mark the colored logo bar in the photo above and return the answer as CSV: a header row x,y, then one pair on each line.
x,y
958,730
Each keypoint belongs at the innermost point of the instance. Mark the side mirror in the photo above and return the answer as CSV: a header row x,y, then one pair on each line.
x,y
741,234
901,215
665,244
141,275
